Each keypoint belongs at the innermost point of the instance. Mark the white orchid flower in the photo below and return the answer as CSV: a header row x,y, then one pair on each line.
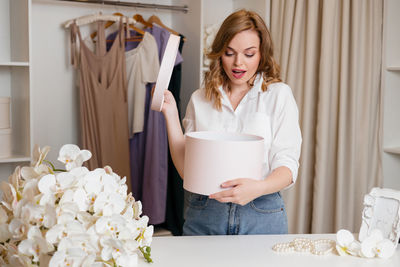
x,y
15,179
72,257
368,245
346,244
110,226
13,257
114,249
9,196
3,215
30,191
66,180
18,228
66,212
72,156
39,215
146,235
385,249
86,219
5,233
59,231
82,241
109,204
37,168
53,186
35,244
376,245
39,154
127,260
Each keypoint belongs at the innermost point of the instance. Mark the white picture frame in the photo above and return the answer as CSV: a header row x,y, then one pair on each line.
x,y
382,211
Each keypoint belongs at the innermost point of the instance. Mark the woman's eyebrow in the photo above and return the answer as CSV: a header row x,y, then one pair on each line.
x,y
251,47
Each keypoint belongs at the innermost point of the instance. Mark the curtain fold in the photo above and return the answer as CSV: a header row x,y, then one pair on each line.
x,y
330,54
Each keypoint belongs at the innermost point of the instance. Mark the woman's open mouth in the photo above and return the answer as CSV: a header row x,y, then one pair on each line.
x,y
238,73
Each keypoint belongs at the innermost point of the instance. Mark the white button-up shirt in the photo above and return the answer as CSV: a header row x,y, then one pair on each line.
x,y
272,114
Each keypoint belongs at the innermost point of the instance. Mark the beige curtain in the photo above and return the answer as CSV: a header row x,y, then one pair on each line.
x,y
330,54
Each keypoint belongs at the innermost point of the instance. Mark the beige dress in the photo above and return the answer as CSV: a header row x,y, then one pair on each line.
x,y
103,101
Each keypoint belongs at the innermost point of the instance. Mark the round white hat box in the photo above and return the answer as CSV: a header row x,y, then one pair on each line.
x,y
212,158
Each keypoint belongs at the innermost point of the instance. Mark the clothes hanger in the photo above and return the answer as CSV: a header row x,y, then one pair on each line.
x,y
96,17
107,25
140,19
157,20
119,15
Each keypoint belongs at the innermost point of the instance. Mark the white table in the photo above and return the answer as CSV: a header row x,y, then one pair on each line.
x,y
247,251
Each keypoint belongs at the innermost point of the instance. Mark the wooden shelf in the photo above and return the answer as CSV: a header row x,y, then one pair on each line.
x,y
14,64
392,150
393,68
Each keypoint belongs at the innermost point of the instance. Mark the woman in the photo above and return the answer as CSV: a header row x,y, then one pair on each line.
x,y
242,93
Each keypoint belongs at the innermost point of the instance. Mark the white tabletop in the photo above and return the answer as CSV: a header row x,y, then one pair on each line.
x,y
247,251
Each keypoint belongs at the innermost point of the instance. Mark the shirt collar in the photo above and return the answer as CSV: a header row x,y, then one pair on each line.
x,y
250,94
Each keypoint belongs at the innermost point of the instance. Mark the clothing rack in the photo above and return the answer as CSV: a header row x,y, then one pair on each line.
x,y
183,9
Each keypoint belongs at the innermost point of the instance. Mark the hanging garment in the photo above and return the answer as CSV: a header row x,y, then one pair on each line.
x,y
175,196
103,101
149,149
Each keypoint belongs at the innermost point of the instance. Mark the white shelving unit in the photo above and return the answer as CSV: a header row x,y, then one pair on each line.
x,y
393,68
15,71
391,86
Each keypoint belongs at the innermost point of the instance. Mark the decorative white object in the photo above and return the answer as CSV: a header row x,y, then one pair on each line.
x,y
373,245
381,211
74,217
5,143
212,158
4,112
165,72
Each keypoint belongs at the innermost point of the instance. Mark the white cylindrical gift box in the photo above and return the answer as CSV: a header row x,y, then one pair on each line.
x,y
212,158
4,112
5,143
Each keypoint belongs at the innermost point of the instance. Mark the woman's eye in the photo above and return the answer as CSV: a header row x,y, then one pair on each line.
x,y
249,55
228,54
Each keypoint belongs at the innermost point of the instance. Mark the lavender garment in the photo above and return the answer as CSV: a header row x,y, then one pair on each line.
x,y
160,34
149,149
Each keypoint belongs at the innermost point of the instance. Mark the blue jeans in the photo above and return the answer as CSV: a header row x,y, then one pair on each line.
x,y
263,215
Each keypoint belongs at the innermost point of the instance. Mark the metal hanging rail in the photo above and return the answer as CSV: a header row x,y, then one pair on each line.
x,y
183,9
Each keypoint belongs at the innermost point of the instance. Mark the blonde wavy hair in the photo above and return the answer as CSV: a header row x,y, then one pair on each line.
x,y
239,21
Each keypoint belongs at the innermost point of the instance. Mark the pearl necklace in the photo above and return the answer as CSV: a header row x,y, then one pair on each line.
x,y
305,245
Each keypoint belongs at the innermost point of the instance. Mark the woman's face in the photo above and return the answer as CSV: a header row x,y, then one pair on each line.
x,y
241,58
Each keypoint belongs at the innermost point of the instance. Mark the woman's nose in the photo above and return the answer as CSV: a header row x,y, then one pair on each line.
x,y
238,59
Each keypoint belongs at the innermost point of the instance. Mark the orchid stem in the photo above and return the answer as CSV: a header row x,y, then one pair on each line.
x,y
52,166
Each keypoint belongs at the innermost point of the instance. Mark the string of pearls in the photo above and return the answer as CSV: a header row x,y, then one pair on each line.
x,y
306,245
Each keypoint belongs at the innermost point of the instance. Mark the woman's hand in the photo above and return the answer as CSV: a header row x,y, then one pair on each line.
x,y
245,190
169,107
169,104
242,192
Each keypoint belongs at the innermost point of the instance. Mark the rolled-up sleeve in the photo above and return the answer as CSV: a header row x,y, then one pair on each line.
x,y
286,144
189,120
